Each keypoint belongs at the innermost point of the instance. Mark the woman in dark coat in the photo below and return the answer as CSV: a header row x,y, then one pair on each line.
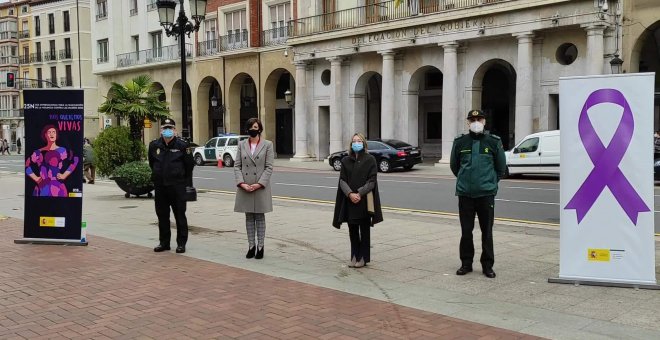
x,y
357,179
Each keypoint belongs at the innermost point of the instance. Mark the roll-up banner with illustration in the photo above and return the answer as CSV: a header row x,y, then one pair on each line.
x,y
54,121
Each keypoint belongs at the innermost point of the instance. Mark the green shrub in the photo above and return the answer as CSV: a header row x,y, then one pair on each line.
x,y
137,174
114,147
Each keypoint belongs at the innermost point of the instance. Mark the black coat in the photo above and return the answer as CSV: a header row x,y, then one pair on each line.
x,y
171,164
357,173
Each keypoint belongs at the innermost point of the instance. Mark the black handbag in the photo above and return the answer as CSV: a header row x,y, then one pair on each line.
x,y
190,195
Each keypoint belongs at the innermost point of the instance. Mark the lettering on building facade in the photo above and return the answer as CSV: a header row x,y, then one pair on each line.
x,y
423,31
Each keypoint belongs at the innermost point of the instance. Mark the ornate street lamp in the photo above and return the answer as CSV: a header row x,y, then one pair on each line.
x,y
180,28
616,63
214,104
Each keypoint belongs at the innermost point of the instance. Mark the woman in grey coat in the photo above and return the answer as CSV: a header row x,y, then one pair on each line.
x,y
252,170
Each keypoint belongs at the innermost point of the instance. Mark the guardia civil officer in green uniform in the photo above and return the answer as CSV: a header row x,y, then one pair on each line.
x,y
478,162
171,165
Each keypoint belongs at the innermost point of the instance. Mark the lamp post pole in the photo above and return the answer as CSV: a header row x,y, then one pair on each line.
x,y
179,29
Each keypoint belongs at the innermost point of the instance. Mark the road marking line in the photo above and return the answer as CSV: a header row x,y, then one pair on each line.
x,y
307,185
527,188
431,212
211,178
528,202
414,182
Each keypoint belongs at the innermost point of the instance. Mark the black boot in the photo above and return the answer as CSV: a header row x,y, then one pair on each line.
x,y
260,254
250,253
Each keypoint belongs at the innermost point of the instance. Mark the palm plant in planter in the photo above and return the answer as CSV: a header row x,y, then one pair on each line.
x,y
134,101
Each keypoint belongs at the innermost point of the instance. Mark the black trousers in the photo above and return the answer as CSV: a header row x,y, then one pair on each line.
x,y
166,197
360,240
484,208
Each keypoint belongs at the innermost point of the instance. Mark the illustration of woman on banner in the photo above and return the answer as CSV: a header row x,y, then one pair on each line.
x,y
45,165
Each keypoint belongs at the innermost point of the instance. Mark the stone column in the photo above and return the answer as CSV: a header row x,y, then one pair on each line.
x,y
595,49
336,122
524,86
449,99
300,112
387,96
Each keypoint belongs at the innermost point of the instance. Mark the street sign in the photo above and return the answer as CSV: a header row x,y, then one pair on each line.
x,y
147,124
107,123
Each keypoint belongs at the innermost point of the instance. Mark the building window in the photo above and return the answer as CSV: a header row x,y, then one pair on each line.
x,y
157,44
236,27
279,16
325,77
151,5
101,9
66,54
37,26
26,55
24,9
136,43
39,77
11,11
210,35
53,75
103,51
51,23
69,76
38,46
67,24
134,7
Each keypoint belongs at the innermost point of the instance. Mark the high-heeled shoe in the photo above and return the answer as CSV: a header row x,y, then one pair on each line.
x,y
360,264
260,254
352,263
250,253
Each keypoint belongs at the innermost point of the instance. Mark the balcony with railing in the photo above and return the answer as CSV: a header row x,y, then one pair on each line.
x,y
144,57
11,113
24,59
36,58
225,43
151,5
134,12
49,82
24,34
65,54
11,60
6,35
50,56
376,13
275,36
101,16
27,84
66,82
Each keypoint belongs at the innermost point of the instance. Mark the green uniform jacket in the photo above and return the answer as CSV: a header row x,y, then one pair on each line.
x,y
478,162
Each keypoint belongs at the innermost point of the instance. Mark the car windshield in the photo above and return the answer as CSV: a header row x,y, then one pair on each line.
x,y
396,143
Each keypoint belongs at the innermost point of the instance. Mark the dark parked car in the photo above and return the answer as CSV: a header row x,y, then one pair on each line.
x,y
656,169
389,153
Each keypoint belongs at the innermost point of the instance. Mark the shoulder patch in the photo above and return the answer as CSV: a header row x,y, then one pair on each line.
x,y
496,137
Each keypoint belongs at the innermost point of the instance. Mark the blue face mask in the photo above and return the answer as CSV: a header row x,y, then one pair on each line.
x,y
167,133
357,146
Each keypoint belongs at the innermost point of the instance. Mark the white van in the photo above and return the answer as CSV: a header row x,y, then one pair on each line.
x,y
537,153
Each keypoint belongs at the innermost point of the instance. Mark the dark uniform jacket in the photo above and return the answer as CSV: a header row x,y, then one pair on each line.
x,y
478,162
172,163
359,176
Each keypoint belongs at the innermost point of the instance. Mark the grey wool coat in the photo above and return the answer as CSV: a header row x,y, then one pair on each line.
x,y
251,169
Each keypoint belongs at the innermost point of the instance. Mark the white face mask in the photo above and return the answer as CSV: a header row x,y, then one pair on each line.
x,y
477,127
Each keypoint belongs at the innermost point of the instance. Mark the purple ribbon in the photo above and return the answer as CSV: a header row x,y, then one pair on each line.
x,y
606,161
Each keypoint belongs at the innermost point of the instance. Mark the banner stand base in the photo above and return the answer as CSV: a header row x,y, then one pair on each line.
x,y
50,242
604,284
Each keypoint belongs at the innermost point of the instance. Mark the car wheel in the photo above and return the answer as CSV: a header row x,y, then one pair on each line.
x,y
408,167
199,161
384,165
228,161
336,164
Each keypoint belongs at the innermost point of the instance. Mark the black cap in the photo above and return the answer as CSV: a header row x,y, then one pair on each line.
x,y
168,122
475,114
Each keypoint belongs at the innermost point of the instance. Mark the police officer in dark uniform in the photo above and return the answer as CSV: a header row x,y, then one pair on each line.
x,y
478,162
171,165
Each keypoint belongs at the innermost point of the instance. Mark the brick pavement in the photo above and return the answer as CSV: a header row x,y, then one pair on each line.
x,y
112,289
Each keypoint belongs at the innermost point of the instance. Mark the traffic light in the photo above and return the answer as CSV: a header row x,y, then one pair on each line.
x,y
10,79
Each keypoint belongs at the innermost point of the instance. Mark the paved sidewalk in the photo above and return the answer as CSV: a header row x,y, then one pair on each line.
x,y
114,290
414,258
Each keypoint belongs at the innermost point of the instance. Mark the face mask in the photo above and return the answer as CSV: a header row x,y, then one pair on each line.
x,y
253,133
477,127
357,146
168,133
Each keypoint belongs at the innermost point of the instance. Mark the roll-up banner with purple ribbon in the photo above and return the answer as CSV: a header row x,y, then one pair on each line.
x,y
607,202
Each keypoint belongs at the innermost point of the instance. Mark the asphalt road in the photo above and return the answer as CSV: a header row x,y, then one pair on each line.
x,y
521,199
